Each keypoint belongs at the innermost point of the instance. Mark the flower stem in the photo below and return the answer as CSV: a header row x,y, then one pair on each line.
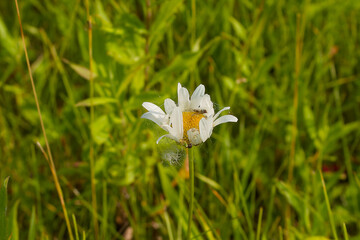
x,y
191,203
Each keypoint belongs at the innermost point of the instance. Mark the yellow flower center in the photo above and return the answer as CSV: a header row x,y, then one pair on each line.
x,y
190,120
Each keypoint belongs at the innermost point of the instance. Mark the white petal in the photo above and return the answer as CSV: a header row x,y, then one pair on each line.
x,y
176,123
224,119
205,127
195,103
218,113
153,117
152,107
183,97
199,92
166,135
169,105
203,103
179,87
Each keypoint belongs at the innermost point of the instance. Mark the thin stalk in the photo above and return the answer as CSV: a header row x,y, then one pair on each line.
x,y
345,232
168,226
259,224
91,152
298,50
332,223
49,158
75,226
246,211
296,99
191,203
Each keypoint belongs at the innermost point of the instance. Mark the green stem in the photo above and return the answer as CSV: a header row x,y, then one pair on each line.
x,y
191,203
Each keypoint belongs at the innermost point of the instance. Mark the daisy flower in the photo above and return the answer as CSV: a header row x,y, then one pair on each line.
x,y
190,122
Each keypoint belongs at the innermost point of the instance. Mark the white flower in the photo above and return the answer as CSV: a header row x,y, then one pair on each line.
x,y
191,121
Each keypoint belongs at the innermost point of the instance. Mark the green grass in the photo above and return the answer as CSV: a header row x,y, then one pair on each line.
x,y
289,70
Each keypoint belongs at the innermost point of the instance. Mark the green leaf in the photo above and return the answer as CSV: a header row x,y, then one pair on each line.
x,y
317,238
82,71
32,229
163,21
336,132
6,39
310,124
238,28
291,196
184,62
137,100
209,182
125,41
96,101
100,129
14,224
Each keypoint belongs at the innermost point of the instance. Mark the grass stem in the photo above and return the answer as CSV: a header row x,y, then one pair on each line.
x,y
49,158
91,152
298,48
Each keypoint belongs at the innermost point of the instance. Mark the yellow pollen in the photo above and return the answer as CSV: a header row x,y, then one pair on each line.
x,y
190,120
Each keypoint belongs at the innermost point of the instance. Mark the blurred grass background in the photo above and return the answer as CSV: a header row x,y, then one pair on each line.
x,y
288,69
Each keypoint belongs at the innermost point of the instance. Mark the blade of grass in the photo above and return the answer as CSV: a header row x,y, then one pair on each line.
x,y
14,222
345,145
168,225
259,224
281,235
88,206
105,209
246,210
64,76
32,228
298,49
75,227
332,223
50,159
270,210
345,232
